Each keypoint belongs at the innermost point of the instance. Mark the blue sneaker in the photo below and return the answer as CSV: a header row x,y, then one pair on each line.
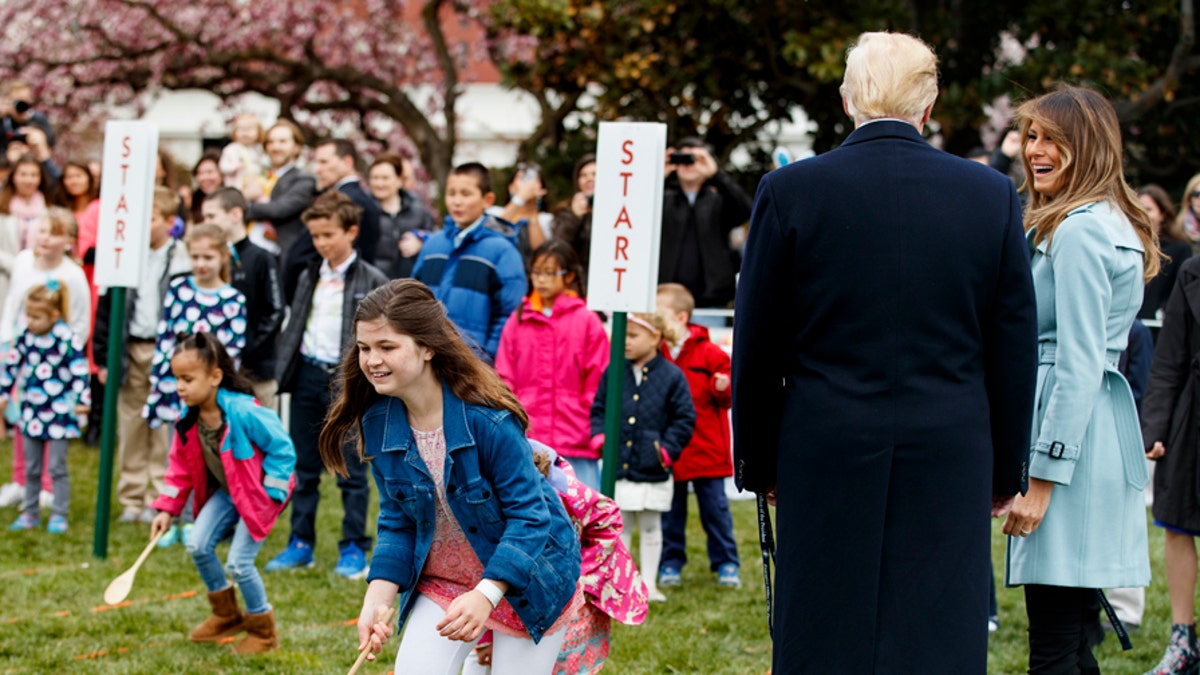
x,y
25,521
669,576
185,532
727,576
352,563
169,537
57,525
297,554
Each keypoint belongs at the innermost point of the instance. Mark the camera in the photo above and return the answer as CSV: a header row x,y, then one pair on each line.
x,y
591,201
682,158
17,137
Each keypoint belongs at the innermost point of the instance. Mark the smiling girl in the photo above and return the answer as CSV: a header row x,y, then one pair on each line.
x,y
471,536
204,301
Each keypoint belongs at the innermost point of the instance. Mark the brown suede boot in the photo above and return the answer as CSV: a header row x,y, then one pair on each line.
x,y
260,634
226,619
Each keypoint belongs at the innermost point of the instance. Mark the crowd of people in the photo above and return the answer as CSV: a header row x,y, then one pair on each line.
x,y
267,273
456,361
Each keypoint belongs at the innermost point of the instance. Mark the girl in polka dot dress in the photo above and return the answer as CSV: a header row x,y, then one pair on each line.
x,y
54,373
204,301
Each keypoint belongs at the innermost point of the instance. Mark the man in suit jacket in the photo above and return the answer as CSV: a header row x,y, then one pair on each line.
x,y
335,163
291,191
883,379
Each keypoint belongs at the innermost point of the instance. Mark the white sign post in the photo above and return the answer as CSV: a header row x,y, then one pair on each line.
x,y
627,216
122,244
126,195
626,236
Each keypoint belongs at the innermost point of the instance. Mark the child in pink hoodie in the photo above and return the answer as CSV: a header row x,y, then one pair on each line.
x,y
611,583
553,352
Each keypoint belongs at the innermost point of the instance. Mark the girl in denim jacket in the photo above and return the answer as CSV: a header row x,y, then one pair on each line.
x,y
471,536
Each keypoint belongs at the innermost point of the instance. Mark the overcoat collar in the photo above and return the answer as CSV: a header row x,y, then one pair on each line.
x,y
884,129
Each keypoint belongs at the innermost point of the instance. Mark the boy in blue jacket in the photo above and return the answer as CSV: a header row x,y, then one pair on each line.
x,y
473,270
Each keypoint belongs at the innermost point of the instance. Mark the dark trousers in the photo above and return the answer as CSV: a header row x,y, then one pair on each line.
x,y
1064,625
715,518
310,401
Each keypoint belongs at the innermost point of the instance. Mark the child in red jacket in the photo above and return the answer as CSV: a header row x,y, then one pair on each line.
x,y
707,460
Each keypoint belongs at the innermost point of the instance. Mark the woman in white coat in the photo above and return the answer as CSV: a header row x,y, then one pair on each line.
x,y
1082,524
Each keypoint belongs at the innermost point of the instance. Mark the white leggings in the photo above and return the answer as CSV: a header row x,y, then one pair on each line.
x,y
649,525
423,650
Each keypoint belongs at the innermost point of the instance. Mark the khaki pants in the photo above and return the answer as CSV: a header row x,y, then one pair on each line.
x,y
141,451
264,391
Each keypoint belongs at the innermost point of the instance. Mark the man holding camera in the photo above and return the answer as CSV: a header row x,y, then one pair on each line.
x,y
19,118
701,205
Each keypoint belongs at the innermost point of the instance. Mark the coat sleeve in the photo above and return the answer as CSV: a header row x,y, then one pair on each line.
x,y
506,351
507,462
237,326
1010,358
735,203
681,416
757,388
177,484
100,333
288,205
1171,365
510,271
266,432
1079,257
269,293
598,403
1137,368
718,364
595,357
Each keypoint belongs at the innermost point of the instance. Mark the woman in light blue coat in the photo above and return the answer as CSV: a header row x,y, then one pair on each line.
x,y
1082,524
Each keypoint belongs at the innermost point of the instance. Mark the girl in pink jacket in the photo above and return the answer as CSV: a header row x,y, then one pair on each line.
x,y
553,352
611,583
237,460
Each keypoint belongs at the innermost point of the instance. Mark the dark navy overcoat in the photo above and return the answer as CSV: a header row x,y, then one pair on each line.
x,y
883,380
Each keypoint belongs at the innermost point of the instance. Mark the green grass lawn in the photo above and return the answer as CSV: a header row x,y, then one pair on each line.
x,y
52,617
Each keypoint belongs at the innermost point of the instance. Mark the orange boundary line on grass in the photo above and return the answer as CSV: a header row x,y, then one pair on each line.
x,y
106,608
153,645
42,570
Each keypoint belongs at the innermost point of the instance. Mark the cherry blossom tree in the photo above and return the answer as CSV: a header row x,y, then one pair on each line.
x,y
377,67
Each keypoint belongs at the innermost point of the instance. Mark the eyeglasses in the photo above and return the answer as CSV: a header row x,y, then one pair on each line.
x,y
1195,193
547,275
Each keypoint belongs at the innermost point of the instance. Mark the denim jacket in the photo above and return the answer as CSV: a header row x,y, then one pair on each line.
x,y
511,515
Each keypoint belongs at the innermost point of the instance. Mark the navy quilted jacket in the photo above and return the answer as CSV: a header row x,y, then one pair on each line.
x,y
657,413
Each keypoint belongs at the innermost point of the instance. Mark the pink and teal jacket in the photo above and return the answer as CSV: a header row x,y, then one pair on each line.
x,y
256,453
554,365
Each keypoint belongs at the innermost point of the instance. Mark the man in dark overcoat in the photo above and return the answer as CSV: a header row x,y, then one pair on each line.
x,y
884,359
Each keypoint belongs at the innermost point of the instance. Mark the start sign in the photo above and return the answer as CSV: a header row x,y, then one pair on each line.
x,y
627,216
126,197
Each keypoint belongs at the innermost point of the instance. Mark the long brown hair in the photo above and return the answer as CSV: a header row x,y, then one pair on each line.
x,y
1083,126
410,308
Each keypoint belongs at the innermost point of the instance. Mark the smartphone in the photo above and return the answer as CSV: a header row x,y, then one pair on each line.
x,y
682,158
529,175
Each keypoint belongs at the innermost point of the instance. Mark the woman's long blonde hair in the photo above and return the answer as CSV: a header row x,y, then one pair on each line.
x,y
1084,127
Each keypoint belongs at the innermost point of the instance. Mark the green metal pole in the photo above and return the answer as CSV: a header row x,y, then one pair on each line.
x,y
612,404
108,427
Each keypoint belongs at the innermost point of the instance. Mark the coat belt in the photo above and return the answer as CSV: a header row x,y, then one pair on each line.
x,y
1125,416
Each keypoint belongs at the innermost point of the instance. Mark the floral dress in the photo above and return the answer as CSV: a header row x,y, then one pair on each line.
x,y
188,309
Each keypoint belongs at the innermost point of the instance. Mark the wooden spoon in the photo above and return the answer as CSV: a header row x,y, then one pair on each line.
x,y
119,589
382,615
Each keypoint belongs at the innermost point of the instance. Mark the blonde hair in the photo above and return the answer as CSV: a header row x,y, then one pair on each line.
x,y
215,234
667,330
253,119
1185,209
166,203
889,75
678,298
53,294
1083,126
62,221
